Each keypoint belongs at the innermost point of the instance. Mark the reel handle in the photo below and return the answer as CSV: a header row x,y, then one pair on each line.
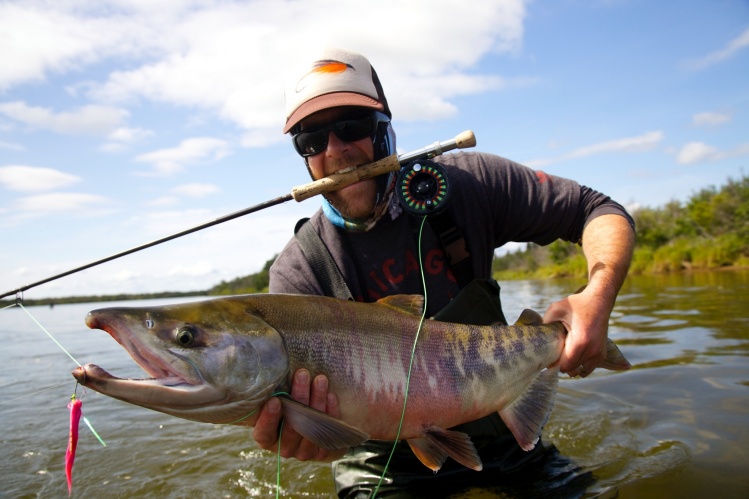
x,y
392,163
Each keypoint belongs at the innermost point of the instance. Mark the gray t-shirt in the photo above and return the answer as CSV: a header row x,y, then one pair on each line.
x,y
493,201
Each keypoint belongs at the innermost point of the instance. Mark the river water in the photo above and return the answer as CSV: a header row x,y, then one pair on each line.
x,y
676,425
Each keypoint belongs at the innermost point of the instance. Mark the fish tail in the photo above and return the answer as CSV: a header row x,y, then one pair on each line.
x,y
527,414
615,360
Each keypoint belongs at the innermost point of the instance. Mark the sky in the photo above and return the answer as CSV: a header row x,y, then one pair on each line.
x,y
124,121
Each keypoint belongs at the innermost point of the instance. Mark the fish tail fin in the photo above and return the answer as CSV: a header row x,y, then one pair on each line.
x,y
437,444
615,360
527,415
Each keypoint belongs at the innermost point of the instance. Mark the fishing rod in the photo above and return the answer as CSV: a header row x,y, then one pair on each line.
x,y
333,182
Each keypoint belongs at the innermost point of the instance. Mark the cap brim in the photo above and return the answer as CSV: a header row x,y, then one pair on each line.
x,y
337,99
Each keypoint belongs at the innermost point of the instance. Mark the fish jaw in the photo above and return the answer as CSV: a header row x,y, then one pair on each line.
x,y
218,377
157,393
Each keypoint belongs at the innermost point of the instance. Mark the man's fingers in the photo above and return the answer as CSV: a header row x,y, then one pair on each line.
x,y
319,394
300,387
265,432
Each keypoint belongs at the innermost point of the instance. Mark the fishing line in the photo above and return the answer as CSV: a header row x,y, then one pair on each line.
x,y
278,461
300,193
411,363
85,419
48,333
35,393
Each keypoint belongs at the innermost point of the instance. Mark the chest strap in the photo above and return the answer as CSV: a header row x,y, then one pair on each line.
x,y
454,245
327,272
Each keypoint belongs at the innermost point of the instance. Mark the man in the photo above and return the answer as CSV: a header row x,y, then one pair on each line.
x,y
339,118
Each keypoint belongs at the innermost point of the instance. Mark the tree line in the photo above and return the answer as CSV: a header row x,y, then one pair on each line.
x,y
708,231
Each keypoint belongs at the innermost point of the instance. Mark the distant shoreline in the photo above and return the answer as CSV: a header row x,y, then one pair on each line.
x,y
177,294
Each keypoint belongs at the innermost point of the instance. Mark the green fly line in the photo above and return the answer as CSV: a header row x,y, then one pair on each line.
x,y
410,365
85,419
408,383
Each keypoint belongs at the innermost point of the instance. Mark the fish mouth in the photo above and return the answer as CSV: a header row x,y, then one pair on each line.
x,y
175,383
156,366
168,394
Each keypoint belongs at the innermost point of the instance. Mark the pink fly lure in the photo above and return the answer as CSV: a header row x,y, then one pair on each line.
x,y
75,417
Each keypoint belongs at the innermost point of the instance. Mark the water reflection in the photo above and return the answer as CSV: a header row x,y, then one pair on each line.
x,y
662,429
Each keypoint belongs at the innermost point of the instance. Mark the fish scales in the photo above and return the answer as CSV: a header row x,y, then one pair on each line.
x,y
219,361
366,355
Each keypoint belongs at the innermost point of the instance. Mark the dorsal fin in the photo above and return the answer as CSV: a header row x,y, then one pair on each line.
x,y
410,304
529,318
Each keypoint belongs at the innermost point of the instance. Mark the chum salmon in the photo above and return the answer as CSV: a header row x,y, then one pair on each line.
x,y
219,360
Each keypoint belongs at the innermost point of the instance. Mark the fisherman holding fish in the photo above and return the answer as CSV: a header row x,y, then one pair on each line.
x,y
338,118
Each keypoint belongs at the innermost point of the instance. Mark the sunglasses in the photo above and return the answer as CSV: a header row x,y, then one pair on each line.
x,y
350,128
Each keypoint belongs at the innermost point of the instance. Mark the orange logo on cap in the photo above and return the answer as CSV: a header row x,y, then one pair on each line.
x,y
325,66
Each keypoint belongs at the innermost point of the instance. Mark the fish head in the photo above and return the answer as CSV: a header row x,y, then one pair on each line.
x,y
214,361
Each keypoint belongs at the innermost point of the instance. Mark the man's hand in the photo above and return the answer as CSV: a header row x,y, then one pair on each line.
x,y
314,394
586,320
608,242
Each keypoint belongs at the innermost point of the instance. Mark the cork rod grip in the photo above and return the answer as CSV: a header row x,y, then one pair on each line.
x,y
392,163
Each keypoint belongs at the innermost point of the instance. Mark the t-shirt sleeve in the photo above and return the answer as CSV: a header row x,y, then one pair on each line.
x,y
520,204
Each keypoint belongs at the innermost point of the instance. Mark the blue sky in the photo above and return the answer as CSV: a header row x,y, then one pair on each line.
x,y
123,121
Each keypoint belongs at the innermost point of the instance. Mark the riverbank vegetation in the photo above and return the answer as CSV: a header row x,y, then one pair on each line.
x,y
709,231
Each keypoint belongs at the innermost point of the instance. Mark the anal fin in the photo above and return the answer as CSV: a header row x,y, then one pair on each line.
x,y
437,443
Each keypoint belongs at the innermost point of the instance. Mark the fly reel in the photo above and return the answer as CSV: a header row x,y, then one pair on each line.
x,y
422,187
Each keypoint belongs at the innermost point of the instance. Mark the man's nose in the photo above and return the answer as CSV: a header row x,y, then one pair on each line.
x,y
336,146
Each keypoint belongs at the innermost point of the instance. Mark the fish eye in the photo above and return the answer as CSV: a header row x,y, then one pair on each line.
x,y
185,335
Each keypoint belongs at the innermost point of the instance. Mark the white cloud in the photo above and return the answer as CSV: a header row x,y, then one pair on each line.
x,y
122,139
129,134
196,190
10,146
710,119
695,152
163,201
639,143
699,152
190,151
196,269
230,57
44,204
34,179
90,119
735,45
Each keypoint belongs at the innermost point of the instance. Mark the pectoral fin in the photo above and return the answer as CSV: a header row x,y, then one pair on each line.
x,y
323,430
527,414
436,444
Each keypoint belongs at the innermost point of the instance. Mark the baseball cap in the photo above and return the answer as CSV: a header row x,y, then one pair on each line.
x,y
334,78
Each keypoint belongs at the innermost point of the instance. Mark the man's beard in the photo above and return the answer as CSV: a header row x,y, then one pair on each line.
x,y
352,209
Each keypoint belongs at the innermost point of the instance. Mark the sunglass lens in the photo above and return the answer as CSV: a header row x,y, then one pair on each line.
x,y
314,141
354,129
311,143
